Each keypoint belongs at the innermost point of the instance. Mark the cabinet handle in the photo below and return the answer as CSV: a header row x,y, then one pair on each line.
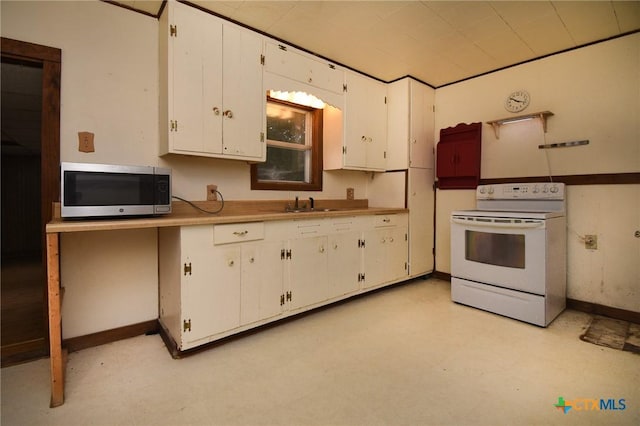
x,y
335,247
363,138
386,220
251,259
321,249
228,113
216,110
369,139
240,233
383,240
391,239
231,262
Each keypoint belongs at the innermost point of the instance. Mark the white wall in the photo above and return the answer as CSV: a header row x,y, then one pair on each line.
x,y
594,93
109,86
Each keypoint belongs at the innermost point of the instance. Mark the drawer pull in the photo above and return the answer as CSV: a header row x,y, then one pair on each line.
x,y
231,263
241,233
321,249
386,220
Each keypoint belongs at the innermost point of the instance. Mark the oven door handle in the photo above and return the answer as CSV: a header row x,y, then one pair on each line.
x,y
492,224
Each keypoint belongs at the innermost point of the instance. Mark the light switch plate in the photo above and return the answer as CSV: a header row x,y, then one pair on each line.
x,y
85,142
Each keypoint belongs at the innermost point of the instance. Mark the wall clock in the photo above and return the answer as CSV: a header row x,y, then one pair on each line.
x,y
517,101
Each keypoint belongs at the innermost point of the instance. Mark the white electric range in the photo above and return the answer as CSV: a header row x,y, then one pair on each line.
x,y
509,255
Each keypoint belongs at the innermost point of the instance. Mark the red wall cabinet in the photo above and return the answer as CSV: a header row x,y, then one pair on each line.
x,y
458,156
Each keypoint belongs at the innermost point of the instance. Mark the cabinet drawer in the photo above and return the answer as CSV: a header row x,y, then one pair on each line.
x,y
385,220
347,224
238,232
307,228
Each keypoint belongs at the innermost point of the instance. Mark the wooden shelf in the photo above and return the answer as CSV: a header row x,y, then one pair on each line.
x,y
541,115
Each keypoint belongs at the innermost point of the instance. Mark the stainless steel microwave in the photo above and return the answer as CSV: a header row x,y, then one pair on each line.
x,y
107,190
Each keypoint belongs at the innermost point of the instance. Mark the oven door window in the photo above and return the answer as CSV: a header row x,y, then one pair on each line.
x,y
495,249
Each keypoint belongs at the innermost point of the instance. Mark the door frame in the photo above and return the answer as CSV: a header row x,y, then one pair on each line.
x,y
50,59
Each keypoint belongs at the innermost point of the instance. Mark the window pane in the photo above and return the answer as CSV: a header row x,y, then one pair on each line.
x,y
283,164
286,124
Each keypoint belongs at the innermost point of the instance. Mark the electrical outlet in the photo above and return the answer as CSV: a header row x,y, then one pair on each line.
x,y
212,194
591,242
350,194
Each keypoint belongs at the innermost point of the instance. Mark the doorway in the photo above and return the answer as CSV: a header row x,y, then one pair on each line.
x,y
30,162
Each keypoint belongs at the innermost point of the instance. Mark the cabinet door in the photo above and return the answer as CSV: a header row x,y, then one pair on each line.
x,y
467,158
375,257
326,76
262,281
397,252
284,61
365,123
421,228
308,271
280,60
398,113
243,103
421,126
195,81
211,291
446,160
344,263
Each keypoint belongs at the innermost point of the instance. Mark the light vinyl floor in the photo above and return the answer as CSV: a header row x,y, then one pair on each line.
x,y
405,355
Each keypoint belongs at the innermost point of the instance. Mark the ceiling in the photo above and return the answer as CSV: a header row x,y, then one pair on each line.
x,y
437,42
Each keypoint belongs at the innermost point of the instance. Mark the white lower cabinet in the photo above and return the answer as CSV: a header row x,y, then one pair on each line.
x,y
386,250
218,280
199,285
307,272
261,281
345,256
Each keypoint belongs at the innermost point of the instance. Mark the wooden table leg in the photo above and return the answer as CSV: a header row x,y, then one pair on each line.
x,y
55,320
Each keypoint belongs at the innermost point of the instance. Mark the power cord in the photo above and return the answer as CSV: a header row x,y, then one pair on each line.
x,y
200,208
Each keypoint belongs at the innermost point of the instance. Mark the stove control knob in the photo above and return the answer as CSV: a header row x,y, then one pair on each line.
x,y
482,190
554,189
536,189
491,190
545,189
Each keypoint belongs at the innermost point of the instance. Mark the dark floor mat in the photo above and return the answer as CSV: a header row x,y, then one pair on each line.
x,y
614,334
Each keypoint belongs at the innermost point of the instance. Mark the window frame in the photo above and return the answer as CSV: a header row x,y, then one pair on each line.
x,y
315,183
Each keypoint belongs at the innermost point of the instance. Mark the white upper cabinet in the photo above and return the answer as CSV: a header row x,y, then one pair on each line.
x,y
244,100
288,62
411,125
212,101
364,118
